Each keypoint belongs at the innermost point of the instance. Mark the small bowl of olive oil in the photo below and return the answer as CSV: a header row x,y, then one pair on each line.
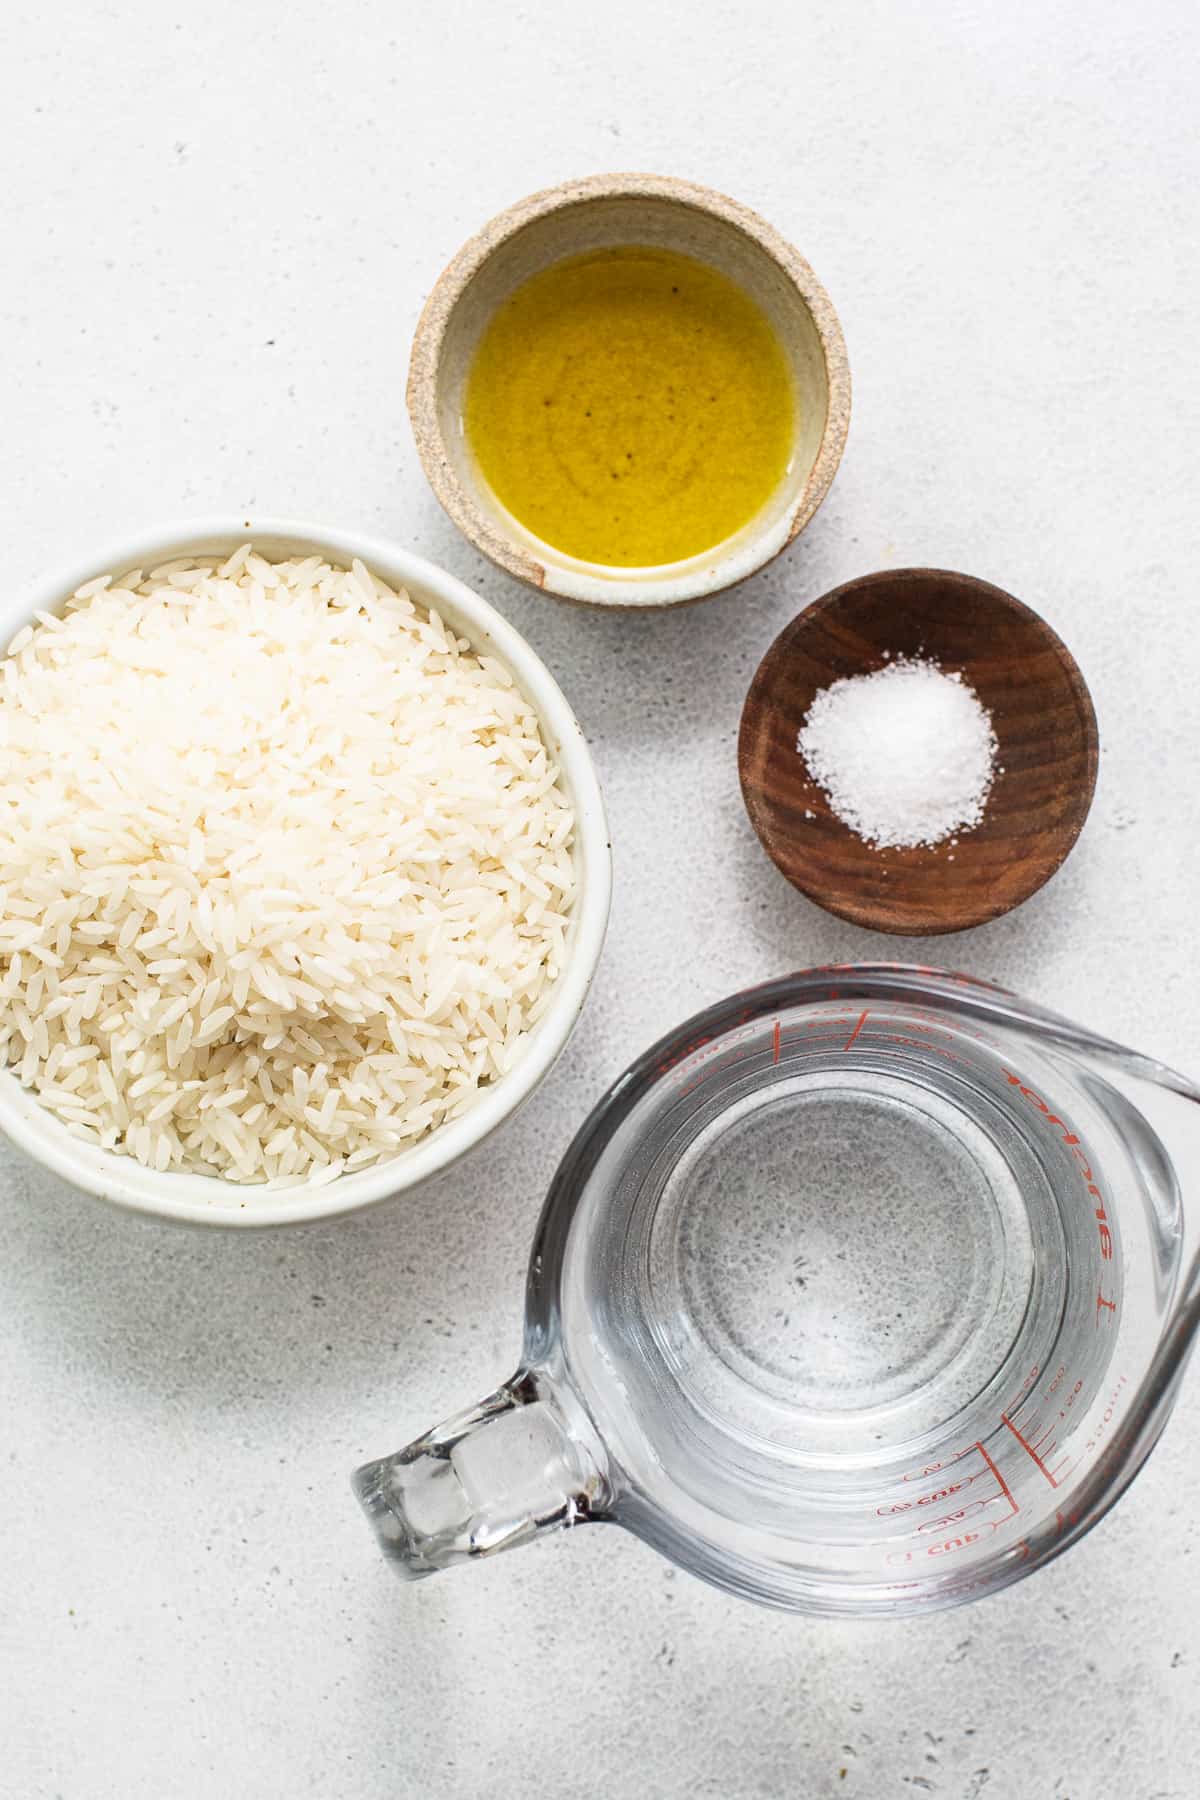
x,y
629,391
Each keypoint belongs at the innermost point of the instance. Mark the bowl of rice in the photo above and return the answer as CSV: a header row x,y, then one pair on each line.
x,y
304,872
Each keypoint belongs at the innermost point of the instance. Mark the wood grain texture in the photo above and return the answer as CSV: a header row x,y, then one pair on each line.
x,y
1044,722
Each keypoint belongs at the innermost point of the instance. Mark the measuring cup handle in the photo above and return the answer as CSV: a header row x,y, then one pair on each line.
x,y
497,1475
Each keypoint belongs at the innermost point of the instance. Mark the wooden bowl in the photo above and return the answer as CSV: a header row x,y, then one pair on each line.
x,y
1046,766
603,211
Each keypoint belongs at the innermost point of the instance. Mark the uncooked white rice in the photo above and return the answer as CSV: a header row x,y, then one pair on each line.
x,y
285,867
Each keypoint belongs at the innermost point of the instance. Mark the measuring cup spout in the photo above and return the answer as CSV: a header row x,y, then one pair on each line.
x,y
498,1475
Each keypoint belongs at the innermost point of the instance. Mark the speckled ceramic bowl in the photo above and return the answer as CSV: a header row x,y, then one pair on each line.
x,y
601,211
205,1200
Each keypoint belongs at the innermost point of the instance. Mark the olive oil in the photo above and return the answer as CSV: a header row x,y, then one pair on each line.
x,y
631,407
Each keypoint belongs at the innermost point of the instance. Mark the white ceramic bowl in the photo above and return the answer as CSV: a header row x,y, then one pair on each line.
x,y
205,1200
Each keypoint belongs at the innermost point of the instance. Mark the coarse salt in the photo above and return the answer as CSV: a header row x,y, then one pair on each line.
x,y
905,756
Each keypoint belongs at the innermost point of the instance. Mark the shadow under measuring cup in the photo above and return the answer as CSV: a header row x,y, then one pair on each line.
x,y
865,1291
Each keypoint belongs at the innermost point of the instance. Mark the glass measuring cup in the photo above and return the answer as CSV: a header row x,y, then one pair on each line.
x,y
864,1291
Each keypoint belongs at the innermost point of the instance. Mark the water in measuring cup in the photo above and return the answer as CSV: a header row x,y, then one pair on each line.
x,y
855,1254
865,1291
828,1257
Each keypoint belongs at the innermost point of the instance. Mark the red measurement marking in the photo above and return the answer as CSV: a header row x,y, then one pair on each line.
x,y
862,1019
954,1518
932,1468
1004,1487
1028,1448
775,1057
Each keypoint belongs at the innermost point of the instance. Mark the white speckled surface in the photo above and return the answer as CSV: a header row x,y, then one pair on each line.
x,y
219,222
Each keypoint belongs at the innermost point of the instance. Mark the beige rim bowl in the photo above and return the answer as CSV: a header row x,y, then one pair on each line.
x,y
206,1200
600,211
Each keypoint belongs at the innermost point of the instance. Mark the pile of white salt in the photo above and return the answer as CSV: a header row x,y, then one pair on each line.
x,y
905,756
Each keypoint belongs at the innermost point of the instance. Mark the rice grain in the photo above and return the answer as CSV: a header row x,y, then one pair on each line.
x,y
285,867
